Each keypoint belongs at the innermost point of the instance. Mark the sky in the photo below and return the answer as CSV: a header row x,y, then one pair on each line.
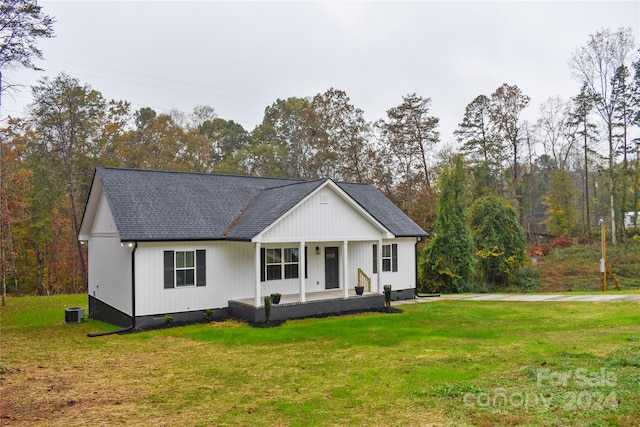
x,y
240,57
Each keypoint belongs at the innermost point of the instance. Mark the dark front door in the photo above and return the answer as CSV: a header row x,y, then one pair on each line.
x,y
331,277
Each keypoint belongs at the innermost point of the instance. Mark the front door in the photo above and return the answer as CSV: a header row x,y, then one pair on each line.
x,y
331,276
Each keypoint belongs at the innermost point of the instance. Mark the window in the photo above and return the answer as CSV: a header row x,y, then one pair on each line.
x,y
274,264
291,263
279,263
389,258
184,269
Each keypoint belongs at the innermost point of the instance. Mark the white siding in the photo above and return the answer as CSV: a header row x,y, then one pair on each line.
x,y
361,256
103,223
230,275
405,277
109,262
325,216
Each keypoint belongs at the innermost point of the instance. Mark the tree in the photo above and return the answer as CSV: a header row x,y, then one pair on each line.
x,y
447,263
506,105
623,117
579,122
556,138
338,137
68,119
407,141
410,132
635,120
215,146
22,23
561,203
284,126
14,181
595,65
499,240
483,148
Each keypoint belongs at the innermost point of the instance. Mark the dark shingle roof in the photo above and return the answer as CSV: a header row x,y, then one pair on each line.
x,y
383,209
149,205
269,205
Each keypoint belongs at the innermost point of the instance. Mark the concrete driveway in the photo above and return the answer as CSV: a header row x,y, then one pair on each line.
x,y
604,297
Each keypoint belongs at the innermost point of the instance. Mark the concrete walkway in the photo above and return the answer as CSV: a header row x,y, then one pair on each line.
x,y
608,297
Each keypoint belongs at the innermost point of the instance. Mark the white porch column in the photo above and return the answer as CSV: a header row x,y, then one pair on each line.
x,y
302,272
258,264
345,269
379,279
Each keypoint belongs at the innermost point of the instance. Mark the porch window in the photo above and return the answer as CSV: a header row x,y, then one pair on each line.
x,y
274,264
279,263
389,258
184,268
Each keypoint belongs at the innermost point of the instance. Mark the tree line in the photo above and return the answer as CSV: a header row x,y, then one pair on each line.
x,y
47,159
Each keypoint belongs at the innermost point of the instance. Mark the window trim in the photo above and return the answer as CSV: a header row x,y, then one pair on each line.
x,y
392,258
171,269
264,275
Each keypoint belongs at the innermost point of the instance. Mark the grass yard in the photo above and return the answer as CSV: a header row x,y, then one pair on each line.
x,y
439,363
577,268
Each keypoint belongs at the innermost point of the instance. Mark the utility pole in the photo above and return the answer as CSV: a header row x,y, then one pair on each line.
x,y
603,247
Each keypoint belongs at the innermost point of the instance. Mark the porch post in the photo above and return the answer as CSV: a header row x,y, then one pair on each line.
x,y
345,269
302,272
378,278
258,264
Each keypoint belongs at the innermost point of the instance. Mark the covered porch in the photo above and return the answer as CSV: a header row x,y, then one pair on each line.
x,y
316,304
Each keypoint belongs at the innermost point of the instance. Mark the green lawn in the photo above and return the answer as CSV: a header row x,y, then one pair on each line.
x,y
437,363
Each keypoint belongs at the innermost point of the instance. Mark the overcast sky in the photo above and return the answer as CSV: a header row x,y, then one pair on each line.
x,y
239,57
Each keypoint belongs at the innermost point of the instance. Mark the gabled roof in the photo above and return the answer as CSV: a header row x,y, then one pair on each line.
x,y
151,205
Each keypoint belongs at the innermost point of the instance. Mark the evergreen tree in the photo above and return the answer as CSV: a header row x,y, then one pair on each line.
x,y
448,261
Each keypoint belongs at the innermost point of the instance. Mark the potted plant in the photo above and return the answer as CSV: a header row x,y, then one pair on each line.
x,y
359,289
275,297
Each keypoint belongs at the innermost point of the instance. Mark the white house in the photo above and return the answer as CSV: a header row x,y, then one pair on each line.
x,y
181,244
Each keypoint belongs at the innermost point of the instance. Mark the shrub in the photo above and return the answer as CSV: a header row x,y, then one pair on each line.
x,y
267,309
561,242
499,240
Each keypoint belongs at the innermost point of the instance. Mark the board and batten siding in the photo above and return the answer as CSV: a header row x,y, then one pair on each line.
x,y
110,272
109,262
325,216
361,256
229,275
405,277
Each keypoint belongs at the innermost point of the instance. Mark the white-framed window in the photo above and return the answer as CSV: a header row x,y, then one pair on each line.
x,y
291,260
280,263
184,268
274,264
388,257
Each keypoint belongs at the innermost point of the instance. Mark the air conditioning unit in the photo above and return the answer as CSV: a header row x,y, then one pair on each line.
x,y
74,315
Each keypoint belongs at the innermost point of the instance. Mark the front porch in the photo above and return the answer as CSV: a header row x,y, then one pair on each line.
x,y
315,304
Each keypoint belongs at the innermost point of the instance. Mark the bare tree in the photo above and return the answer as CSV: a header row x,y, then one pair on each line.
x,y
554,135
595,65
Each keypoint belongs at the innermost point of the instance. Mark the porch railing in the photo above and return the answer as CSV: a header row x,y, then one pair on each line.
x,y
364,280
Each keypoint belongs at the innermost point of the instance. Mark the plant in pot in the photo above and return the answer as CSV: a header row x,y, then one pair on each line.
x,y
359,289
275,297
